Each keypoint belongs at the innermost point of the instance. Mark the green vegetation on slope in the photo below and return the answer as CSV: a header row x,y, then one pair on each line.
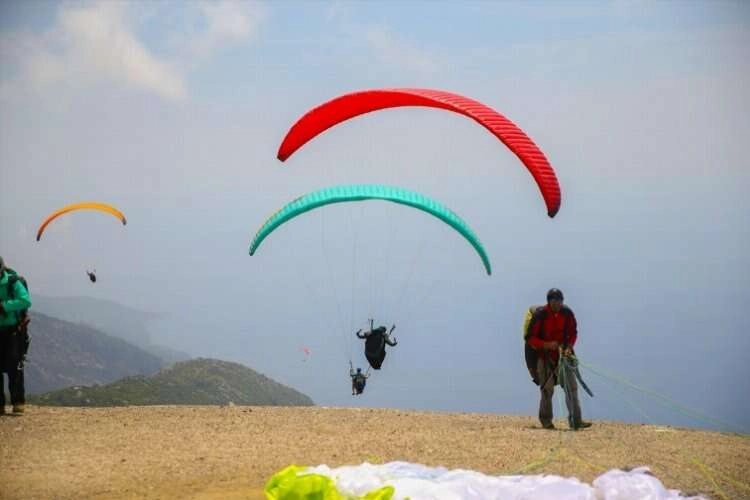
x,y
197,382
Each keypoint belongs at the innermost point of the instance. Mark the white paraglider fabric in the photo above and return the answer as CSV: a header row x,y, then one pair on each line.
x,y
419,482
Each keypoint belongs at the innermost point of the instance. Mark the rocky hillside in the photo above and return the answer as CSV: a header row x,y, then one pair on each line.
x,y
64,354
126,323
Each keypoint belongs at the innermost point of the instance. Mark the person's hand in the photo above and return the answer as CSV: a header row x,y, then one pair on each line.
x,y
551,345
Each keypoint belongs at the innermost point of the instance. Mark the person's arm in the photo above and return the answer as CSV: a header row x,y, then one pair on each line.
x,y
20,301
362,335
389,341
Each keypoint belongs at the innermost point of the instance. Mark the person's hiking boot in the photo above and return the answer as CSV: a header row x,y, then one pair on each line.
x,y
548,425
581,425
18,408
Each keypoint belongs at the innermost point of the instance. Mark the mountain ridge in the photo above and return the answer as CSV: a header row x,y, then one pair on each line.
x,y
63,353
200,381
125,322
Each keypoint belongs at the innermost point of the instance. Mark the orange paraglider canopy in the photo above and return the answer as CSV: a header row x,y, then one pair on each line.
x,y
92,205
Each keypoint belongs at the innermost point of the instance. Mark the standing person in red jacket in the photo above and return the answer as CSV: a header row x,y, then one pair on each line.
x,y
553,332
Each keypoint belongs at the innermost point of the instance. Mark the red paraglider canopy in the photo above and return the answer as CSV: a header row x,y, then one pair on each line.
x,y
347,106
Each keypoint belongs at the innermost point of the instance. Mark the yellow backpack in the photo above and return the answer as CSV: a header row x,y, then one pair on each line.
x,y
527,320
530,354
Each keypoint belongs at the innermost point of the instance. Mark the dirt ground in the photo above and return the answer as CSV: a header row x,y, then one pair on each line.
x,y
211,452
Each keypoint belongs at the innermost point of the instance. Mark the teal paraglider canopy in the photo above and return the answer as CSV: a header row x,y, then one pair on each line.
x,y
362,192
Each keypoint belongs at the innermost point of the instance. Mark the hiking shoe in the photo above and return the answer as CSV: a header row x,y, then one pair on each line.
x,y
549,425
581,425
18,408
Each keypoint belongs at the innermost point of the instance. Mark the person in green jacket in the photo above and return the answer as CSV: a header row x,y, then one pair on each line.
x,y
14,304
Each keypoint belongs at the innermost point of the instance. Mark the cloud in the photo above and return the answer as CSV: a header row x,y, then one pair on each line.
x,y
26,55
227,22
398,53
99,43
389,50
87,45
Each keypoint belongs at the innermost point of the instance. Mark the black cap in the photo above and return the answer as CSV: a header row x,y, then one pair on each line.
x,y
554,293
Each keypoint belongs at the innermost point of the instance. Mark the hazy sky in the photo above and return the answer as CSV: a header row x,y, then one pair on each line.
x,y
174,111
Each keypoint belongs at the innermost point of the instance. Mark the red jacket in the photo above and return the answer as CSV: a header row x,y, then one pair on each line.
x,y
547,326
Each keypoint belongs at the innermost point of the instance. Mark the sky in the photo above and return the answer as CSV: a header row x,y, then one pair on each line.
x,y
173,112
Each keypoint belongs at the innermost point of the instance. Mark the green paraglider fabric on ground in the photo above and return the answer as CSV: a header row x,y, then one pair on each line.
x,y
291,483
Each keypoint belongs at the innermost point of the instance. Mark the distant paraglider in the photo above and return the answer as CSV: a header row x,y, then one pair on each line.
x,y
91,205
103,207
306,352
344,107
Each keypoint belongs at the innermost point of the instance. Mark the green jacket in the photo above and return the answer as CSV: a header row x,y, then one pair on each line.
x,y
12,303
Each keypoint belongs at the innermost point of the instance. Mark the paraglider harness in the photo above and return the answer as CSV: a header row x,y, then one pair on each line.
x,y
375,348
359,379
23,341
375,345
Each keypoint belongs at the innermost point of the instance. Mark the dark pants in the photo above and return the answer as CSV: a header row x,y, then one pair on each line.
x,y
11,354
548,380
